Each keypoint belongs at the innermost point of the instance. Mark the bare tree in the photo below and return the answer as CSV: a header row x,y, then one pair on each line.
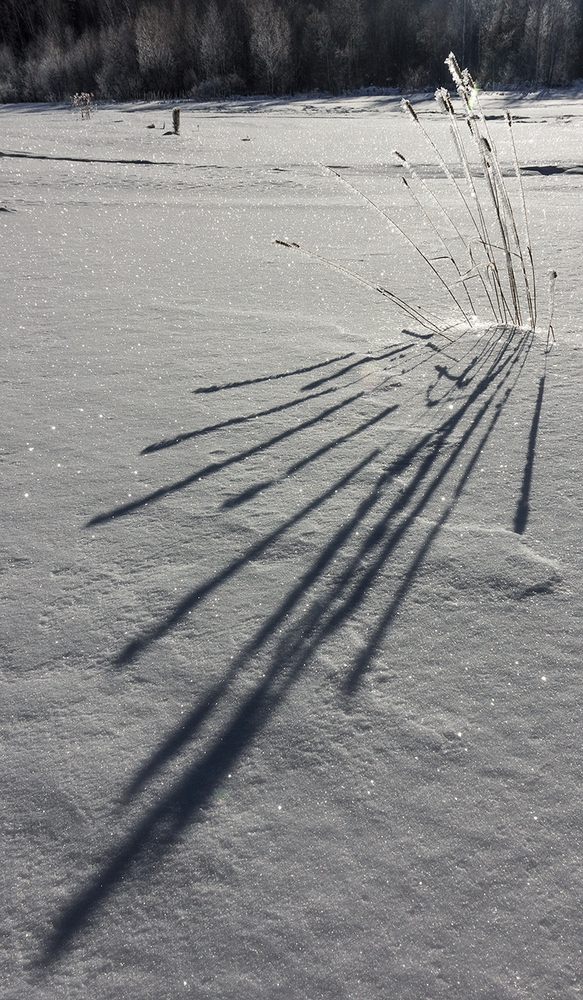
x,y
118,76
318,48
155,33
270,42
213,43
550,38
348,25
125,48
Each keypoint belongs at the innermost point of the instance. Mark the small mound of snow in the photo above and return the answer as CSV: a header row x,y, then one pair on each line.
x,y
493,561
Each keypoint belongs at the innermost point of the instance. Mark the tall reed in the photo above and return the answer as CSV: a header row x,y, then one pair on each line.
x,y
485,261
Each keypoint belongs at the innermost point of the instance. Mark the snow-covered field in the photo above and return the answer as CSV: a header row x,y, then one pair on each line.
x,y
291,694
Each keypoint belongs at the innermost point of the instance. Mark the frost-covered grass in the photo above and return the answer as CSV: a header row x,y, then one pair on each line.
x,y
484,260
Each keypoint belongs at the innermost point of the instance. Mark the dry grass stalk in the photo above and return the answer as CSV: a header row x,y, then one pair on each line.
x,y
494,254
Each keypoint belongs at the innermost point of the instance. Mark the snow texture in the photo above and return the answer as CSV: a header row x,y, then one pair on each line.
x,y
291,634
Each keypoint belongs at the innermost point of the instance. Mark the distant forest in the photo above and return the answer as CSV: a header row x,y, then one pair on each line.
x,y
127,49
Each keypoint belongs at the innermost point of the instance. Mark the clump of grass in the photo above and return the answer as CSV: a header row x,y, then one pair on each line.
x,y
485,262
83,103
499,256
176,120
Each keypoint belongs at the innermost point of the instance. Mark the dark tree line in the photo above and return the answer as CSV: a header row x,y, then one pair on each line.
x,y
121,49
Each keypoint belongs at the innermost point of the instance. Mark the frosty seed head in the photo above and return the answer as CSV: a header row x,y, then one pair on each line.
x,y
444,101
456,73
408,107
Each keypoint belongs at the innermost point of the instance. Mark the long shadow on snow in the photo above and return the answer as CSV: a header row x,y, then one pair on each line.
x,y
316,608
252,491
85,159
552,168
355,364
270,378
213,467
232,422
523,506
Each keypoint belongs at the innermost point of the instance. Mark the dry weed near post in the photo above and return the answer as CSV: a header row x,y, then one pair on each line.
x,y
83,104
485,262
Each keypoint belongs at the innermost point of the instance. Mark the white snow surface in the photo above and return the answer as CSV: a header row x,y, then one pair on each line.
x,y
291,693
